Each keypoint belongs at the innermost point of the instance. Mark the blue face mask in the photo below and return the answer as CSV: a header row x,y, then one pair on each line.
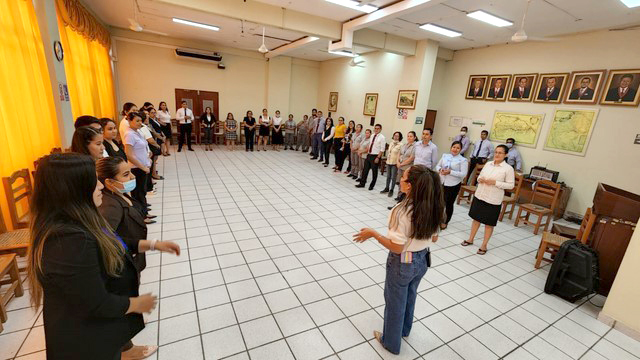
x,y
509,145
128,186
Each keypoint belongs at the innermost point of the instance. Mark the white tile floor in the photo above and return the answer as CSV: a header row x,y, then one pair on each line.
x,y
268,271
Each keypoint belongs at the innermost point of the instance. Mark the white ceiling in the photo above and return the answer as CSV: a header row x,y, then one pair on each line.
x,y
546,18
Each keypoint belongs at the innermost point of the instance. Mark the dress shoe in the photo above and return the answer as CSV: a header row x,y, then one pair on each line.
x,y
390,193
384,191
321,160
389,207
191,150
152,216
370,188
179,150
360,185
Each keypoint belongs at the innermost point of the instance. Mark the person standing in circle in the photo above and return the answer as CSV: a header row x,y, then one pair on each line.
x,y
164,118
327,140
185,118
413,226
303,134
452,169
393,158
265,128
249,123
338,143
276,134
230,134
208,120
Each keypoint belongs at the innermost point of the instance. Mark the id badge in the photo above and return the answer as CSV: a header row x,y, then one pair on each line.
x,y
406,257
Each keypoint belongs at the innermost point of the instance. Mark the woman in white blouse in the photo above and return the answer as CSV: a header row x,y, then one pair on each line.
x,y
276,136
393,159
265,127
327,140
413,226
496,177
164,118
452,169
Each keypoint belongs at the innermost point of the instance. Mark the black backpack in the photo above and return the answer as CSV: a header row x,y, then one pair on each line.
x,y
574,272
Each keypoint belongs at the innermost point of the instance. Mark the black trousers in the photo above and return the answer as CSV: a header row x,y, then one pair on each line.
x,y
249,138
346,155
472,164
185,130
140,192
337,144
450,194
150,175
326,150
370,164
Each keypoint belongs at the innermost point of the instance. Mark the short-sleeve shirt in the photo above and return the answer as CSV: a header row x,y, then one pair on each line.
x,y
139,144
401,233
250,120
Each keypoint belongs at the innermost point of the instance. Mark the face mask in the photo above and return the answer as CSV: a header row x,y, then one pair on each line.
x,y
463,133
509,145
128,186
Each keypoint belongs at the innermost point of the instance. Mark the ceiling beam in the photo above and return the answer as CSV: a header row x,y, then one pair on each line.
x,y
281,50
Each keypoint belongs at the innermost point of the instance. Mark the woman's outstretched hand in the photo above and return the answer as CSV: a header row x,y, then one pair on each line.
x,y
364,235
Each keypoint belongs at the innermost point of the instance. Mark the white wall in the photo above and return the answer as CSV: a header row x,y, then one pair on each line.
x,y
611,157
152,73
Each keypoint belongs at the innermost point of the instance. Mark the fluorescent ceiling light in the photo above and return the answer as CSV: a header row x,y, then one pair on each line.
x,y
440,30
313,38
631,3
343,53
352,4
196,24
489,19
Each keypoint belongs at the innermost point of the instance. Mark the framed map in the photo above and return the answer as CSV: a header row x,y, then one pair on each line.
x,y
524,128
571,130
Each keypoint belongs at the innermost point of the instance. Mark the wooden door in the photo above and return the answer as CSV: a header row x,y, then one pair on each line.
x,y
198,101
430,119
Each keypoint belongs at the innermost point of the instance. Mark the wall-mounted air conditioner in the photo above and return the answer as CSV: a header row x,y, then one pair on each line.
x,y
198,55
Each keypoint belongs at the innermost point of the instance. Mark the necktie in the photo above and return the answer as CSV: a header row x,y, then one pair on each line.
x,y
372,142
479,147
318,126
521,92
622,92
549,92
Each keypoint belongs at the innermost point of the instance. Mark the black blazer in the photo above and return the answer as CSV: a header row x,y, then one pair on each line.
x,y
112,152
471,91
204,120
516,93
612,95
587,95
84,308
492,93
542,95
127,221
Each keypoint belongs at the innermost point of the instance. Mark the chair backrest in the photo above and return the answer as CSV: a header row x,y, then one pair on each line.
x,y
3,226
475,173
56,150
16,194
516,187
588,221
546,188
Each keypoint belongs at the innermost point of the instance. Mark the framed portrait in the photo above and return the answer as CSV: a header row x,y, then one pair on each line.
x,y
497,87
333,101
370,104
476,86
550,88
523,87
584,87
407,99
622,88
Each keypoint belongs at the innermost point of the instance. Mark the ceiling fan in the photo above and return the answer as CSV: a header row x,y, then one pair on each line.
x,y
134,25
263,48
355,63
521,35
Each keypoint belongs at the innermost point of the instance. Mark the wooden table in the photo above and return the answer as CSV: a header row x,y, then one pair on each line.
x,y
545,200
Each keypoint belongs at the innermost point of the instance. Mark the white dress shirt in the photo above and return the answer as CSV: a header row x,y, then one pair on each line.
x,y
482,149
180,116
426,155
505,179
379,144
401,234
458,166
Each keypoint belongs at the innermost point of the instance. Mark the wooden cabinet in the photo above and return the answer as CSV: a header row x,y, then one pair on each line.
x,y
526,194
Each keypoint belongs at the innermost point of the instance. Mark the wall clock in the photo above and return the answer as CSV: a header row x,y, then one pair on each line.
x,y
57,49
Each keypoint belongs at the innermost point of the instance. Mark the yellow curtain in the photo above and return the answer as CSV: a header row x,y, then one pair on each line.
x,y
87,64
28,123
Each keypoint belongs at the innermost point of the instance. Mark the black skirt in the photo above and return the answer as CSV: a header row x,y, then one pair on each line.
x,y
264,130
277,138
484,212
166,130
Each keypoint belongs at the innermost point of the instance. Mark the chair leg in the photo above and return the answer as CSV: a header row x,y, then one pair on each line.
x,y
536,227
541,250
14,274
504,208
518,217
546,224
512,210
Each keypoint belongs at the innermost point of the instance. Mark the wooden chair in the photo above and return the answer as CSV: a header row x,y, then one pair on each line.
x,y
541,188
511,199
13,242
56,150
467,191
551,242
9,266
15,194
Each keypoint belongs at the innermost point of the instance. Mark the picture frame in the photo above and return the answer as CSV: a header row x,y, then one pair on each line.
x,y
617,78
523,87
370,104
497,87
476,86
571,130
333,101
550,88
585,87
407,99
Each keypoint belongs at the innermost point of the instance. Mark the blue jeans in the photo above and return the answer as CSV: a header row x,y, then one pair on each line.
x,y
400,292
392,173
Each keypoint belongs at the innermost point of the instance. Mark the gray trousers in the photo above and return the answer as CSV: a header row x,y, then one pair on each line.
x,y
357,163
303,140
317,144
289,140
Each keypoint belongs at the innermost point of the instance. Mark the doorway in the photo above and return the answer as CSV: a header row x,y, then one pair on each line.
x,y
197,101
430,119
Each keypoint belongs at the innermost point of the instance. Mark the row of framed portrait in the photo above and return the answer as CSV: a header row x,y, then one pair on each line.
x,y
406,100
579,87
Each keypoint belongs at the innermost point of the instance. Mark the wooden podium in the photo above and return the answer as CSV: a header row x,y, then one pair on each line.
x,y
617,214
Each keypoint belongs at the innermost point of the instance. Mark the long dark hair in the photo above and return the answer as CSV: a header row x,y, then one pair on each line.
x,y
425,203
62,200
165,105
82,137
351,129
126,107
107,168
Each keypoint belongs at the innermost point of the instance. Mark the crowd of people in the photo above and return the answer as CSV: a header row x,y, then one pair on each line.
x,y
90,213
